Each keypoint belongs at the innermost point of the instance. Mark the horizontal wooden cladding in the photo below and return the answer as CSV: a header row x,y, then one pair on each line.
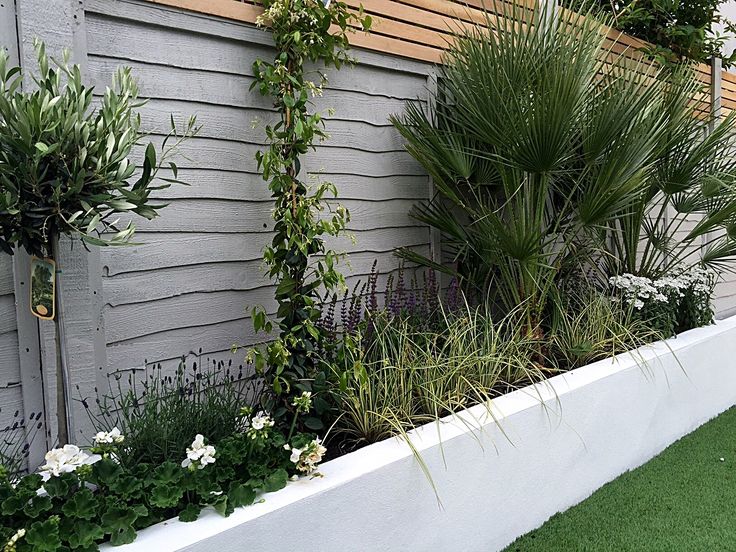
x,y
209,301
164,250
229,9
11,408
7,314
139,287
247,217
9,359
6,274
168,334
728,92
422,29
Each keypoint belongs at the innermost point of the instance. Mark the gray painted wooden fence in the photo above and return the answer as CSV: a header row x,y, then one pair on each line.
x,y
22,409
185,290
188,286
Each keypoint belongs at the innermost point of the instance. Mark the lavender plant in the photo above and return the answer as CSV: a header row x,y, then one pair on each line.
x,y
160,411
16,439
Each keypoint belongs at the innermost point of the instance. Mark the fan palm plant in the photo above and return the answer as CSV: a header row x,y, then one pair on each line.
x,y
687,214
539,138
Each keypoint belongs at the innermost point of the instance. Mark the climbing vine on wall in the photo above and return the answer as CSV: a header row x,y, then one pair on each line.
x,y
302,267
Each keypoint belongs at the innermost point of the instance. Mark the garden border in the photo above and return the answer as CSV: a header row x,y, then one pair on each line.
x,y
496,477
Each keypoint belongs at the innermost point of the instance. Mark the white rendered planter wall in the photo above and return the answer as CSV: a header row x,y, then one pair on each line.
x,y
495,483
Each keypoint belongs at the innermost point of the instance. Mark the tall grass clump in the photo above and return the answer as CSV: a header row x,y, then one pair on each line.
x,y
404,376
401,368
586,326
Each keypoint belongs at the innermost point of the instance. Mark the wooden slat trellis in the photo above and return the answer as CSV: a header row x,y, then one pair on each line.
x,y
422,29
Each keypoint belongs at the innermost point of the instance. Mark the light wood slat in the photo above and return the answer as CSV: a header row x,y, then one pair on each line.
x,y
409,32
729,77
397,47
230,9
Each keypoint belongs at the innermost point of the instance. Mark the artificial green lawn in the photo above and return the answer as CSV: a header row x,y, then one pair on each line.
x,y
682,500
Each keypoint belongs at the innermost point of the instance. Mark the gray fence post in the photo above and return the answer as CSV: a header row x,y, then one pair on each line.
x,y
35,410
61,24
435,237
716,89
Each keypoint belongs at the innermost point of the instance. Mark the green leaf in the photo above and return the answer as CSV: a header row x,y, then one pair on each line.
x,y
82,504
121,205
190,513
166,496
105,472
241,495
59,485
221,505
118,521
43,536
37,506
150,155
276,481
13,504
313,423
84,534
168,473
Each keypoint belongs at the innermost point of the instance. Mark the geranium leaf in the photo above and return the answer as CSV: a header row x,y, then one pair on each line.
x,y
82,504
241,495
276,481
43,536
190,513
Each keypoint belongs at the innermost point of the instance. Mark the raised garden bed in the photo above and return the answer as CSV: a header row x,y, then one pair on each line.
x,y
494,476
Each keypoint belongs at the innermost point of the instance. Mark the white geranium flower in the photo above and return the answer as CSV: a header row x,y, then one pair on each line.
x,y
109,437
317,452
261,420
307,458
296,455
65,460
199,455
19,534
303,402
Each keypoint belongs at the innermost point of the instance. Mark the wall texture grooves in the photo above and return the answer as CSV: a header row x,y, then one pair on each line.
x,y
187,287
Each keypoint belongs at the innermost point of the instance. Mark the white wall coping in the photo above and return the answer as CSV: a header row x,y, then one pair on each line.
x,y
174,535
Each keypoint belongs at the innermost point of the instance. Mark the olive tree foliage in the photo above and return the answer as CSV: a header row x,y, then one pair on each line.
x,y
65,164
